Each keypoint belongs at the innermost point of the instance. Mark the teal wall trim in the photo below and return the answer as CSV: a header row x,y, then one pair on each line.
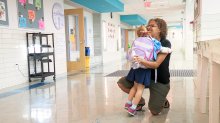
x,y
102,6
133,20
176,26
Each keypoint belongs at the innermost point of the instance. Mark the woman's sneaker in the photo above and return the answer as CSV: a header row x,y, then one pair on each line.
x,y
166,104
127,105
132,111
139,107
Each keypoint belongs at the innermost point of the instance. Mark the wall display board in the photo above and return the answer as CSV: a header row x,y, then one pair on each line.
x,y
30,14
3,12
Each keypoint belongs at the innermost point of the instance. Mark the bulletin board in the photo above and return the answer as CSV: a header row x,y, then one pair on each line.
x,y
3,12
30,14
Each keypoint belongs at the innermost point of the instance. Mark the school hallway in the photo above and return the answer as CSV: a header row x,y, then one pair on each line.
x,y
60,60
94,97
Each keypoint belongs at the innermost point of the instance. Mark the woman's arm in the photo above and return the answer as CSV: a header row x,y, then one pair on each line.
x,y
152,64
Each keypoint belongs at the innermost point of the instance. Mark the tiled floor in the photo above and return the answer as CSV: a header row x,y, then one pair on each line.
x,y
90,97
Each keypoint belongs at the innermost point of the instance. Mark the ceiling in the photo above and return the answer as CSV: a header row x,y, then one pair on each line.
x,y
170,10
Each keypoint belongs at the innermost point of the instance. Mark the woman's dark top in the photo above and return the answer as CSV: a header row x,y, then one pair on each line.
x,y
163,74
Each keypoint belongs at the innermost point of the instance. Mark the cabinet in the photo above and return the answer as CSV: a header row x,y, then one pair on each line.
x,y
40,55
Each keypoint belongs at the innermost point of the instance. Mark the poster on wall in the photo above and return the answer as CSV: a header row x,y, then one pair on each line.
x,y
3,12
111,31
30,14
58,16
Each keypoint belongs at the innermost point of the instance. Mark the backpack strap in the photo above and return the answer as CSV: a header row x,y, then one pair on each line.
x,y
151,54
150,57
155,75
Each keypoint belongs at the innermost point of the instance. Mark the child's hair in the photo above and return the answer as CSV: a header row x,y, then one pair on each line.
x,y
141,31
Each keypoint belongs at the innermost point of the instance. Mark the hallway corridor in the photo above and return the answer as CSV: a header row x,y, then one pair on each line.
x,y
60,60
90,97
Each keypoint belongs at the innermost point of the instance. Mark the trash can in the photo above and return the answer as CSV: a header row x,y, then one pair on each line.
x,y
87,54
87,51
87,62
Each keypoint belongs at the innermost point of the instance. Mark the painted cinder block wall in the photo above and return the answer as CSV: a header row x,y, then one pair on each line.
x,y
13,48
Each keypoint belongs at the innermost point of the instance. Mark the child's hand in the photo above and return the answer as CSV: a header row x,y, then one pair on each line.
x,y
134,58
139,59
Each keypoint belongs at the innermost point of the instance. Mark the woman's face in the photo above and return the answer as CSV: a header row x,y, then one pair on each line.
x,y
153,29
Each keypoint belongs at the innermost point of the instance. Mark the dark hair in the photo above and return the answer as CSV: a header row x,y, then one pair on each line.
x,y
162,25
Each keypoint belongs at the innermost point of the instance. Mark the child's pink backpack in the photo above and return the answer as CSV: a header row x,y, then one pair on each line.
x,y
142,47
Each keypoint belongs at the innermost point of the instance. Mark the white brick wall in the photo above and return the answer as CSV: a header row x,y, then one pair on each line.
x,y
208,22
210,26
13,48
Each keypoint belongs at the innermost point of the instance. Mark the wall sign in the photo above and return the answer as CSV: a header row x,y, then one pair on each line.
x,y
58,16
30,14
111,31
196,8
3,12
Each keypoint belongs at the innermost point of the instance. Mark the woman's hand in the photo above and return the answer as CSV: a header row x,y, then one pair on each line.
x,y
151,64
139,59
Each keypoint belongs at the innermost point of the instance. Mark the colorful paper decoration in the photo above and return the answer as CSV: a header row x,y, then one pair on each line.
x,y
38,3
2,11
23,2
41,24
32,11
31,15
22,22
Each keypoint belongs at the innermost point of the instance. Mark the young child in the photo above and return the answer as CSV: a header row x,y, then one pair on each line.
x,y
142,47
146,47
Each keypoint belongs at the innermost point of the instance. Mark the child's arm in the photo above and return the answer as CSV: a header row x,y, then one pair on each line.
x,y
165,50
130,55
152,64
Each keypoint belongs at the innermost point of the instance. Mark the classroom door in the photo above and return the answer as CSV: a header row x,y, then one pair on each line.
x,y
75,43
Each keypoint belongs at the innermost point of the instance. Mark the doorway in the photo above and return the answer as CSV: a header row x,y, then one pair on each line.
x,y
75,40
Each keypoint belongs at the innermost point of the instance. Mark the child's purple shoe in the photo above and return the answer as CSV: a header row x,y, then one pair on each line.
x,y
132,111
127,105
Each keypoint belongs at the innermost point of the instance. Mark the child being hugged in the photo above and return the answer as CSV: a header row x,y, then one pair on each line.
x,y
146,47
